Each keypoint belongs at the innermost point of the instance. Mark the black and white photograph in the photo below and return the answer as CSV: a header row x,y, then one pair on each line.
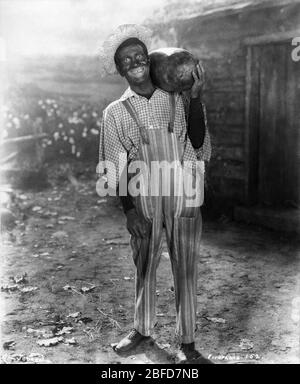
x,y
149,184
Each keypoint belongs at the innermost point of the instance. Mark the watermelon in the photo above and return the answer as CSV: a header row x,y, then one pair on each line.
x,y
171,69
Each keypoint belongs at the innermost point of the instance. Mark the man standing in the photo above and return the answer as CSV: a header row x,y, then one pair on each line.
x,y
152,126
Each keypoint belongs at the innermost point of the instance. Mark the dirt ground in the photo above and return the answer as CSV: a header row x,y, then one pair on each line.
x,y
79,286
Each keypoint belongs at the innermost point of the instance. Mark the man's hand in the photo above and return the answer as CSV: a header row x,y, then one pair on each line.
x,y
137,226
198,76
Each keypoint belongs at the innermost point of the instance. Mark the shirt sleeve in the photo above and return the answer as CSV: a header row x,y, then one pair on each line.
x,y
204,152
196,124
112,153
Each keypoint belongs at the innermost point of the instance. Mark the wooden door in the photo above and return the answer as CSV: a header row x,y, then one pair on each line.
x,y
274,117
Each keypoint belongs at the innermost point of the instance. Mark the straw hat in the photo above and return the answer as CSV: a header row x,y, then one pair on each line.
x,y
114,40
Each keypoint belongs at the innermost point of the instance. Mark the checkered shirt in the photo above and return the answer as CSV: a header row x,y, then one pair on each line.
x,y
119,134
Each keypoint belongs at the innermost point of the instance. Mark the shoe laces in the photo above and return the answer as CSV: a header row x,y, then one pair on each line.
x,y
132,333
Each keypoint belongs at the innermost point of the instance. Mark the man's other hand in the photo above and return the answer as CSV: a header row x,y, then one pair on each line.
x,y
137,226
197,88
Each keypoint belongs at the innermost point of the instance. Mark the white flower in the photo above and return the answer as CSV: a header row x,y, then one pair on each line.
x,y
56,136
72,131
94,131
84,134
71,140
95,114
16,121
73,149
78,154
60,125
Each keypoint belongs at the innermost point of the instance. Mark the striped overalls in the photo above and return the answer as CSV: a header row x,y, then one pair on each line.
x,y
183,226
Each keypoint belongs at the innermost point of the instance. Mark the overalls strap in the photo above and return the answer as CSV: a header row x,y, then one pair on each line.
x,y
131,110
172,111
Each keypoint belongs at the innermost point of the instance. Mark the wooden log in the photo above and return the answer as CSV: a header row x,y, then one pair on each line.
x,y
9,157
22,139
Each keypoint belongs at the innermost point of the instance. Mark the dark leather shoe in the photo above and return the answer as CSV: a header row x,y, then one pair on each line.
x,y
189,355
130,341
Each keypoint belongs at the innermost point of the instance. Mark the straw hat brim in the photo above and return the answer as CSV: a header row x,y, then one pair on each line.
x,y
114,40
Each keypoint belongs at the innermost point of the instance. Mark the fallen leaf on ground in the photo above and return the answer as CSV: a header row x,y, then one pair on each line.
x,y
50,342
71,341
126,278
84,320
52,214
16,357
164,346
68,287
87,289
45,254
116,242
67,218
20,278
36,208
59,235
44,333
160,314
10,288
246,344
64,331
216,320
74,314
37,358
9,344
28,289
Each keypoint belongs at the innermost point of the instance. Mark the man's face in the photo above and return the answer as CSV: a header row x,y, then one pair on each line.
x,y
133,64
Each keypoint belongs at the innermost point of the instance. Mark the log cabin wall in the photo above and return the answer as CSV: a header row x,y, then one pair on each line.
x,y
221,40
